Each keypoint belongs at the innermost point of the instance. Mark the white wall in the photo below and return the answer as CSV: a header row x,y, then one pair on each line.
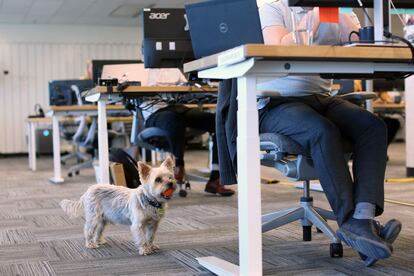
x,y
33,55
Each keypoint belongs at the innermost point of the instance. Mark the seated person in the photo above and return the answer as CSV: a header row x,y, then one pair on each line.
x,y
175,119
318,122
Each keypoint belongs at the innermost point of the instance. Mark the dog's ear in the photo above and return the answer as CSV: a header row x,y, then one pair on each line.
x,y
168,163
144,171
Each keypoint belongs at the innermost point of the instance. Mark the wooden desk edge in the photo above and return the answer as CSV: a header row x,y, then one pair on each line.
x,y
295,52
69,108
48,120
155,89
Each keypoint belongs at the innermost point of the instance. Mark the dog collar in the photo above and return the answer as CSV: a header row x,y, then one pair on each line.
x,y
154,203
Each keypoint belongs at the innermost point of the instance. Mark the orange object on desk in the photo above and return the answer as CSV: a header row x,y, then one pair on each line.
x,y
328,15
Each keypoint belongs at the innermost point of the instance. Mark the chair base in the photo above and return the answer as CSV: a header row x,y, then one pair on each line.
x,y
307,214
75,169
79,156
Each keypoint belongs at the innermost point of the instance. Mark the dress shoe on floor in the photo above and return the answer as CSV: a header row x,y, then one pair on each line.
x,y
362,236
179,173
389,232
215,187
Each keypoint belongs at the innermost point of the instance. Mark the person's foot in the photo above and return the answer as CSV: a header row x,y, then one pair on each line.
x,y
179,173
215,187
362,236
389,232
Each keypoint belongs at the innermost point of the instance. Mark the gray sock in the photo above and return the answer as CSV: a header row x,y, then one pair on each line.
x,y
364,210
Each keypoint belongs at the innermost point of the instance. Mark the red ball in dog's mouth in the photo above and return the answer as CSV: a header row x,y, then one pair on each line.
x,y
167,194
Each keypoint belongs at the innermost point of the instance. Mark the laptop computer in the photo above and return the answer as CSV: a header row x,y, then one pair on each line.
x,y
220,25
134,72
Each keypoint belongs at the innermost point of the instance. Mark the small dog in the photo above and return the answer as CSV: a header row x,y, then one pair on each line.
x,y
141,208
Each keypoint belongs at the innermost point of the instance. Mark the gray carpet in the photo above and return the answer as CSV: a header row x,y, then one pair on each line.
x,y
37,238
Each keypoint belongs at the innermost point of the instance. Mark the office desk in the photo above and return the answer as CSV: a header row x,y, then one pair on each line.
x,y
389,107
31,133
77,110
103,94
248,63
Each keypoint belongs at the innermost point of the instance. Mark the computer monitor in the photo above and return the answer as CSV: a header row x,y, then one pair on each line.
x,y
381,85
61,92
402,4
98,64
167,42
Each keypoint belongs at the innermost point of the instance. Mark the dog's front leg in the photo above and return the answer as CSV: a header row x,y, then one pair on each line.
x,y
151,229
140,240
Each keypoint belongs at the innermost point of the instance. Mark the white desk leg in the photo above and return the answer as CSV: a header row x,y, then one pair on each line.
x,y
103,143
249,194
31,144
248,167
409,127
57,170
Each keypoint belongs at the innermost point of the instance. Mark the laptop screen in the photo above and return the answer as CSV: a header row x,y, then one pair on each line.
x,y
220,25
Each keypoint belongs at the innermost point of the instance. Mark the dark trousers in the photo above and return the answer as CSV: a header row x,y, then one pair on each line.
x,y
319,123
175,120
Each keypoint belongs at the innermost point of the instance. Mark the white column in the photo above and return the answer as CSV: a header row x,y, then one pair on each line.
x,y
248,167
103,142
409,125
379,6
57,177
369,85
31,146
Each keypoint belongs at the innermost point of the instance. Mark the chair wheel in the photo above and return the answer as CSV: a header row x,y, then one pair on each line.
x,y
336,250
182,193
188,186
77,172
70,174
307,233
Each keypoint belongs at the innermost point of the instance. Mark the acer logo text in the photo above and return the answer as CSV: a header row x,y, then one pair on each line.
x,y
159,15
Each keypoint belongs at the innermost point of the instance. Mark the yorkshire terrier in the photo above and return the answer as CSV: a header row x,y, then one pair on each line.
x,y
141,208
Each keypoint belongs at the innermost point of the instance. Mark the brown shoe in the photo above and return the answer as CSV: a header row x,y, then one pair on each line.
x,y
179,173
215,187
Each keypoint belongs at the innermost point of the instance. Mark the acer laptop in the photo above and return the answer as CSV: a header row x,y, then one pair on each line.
x,y
220,25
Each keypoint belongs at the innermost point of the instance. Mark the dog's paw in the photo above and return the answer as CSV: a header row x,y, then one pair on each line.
x,y
145,250
101,242
91,245
155,247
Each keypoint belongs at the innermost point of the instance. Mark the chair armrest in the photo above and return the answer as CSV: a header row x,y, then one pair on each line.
x,y
279,143
358,97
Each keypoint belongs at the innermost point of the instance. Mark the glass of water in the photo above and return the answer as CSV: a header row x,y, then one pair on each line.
x,y
302,25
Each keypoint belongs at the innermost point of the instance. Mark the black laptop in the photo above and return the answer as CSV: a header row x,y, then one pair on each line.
x,y
220,25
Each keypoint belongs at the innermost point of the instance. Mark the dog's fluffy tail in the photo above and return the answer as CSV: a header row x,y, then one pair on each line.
x,y
72,208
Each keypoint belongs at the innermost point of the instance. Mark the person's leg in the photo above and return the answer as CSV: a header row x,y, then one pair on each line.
x,y
368,135
322,139
205,121
173,123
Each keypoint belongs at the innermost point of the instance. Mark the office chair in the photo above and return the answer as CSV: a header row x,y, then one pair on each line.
x,y
68,131
287,156
86,142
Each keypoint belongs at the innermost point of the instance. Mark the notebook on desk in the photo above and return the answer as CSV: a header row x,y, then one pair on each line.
x,y
220,25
